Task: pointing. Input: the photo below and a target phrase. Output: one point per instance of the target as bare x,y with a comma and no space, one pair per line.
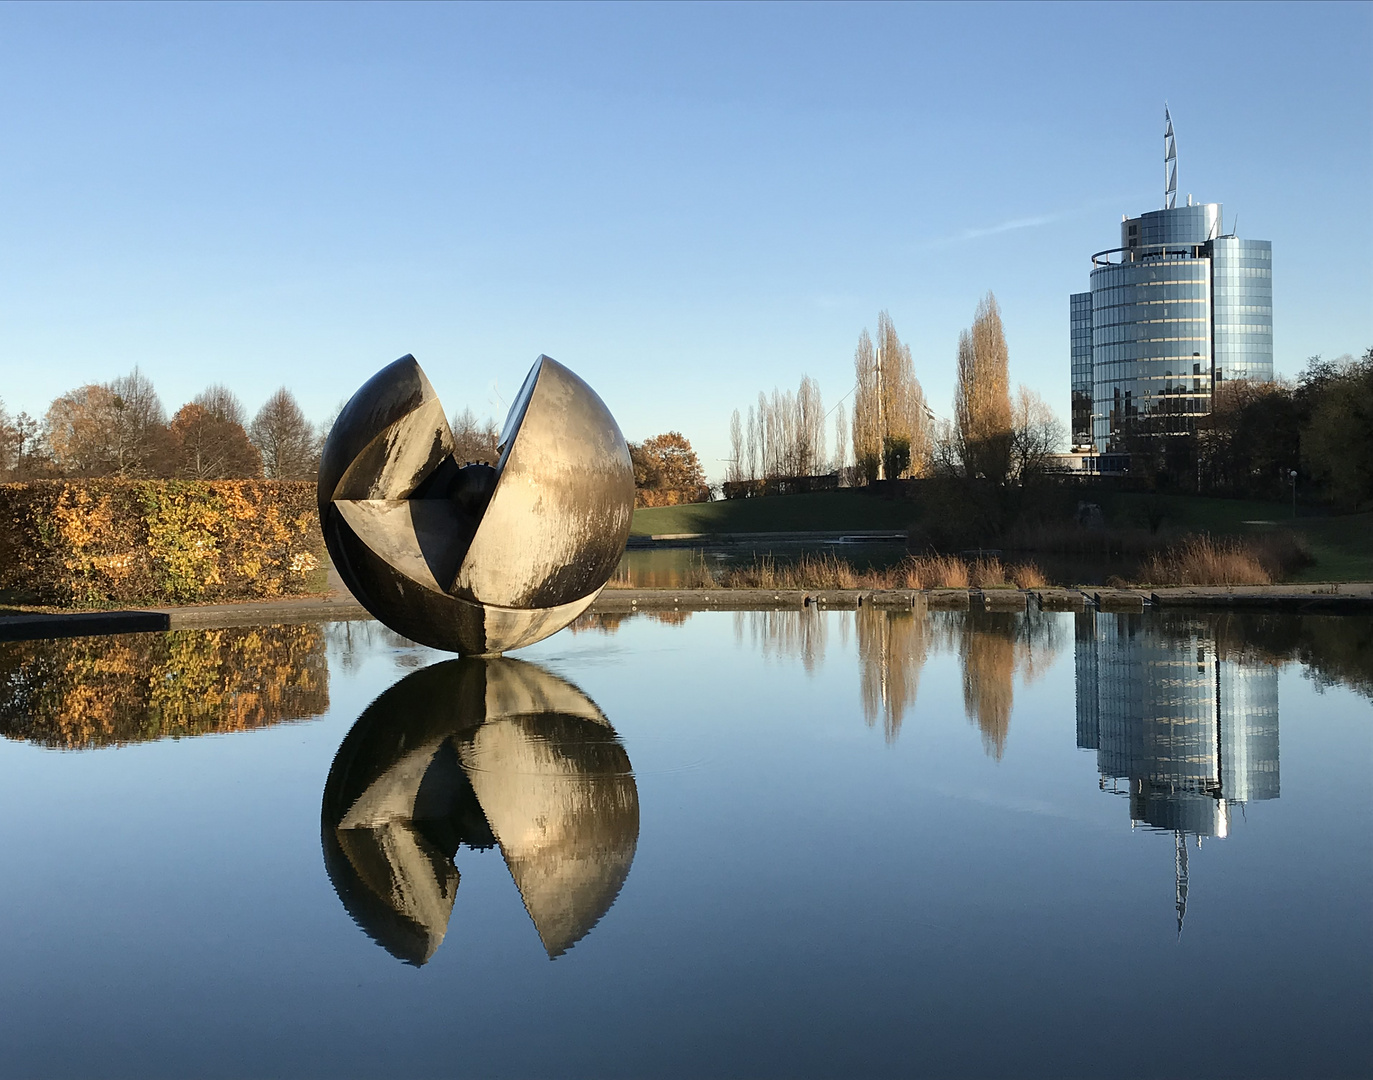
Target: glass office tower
1172,312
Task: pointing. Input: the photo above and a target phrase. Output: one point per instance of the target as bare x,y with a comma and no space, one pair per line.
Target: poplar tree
891,436
982,400
867,431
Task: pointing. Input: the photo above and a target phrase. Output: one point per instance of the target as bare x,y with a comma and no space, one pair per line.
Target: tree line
1258,435
892,433
121,429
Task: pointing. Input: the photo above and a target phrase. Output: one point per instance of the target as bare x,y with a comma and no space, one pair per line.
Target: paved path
340,605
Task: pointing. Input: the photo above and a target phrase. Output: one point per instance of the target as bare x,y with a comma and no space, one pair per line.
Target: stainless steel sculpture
471,558
479,753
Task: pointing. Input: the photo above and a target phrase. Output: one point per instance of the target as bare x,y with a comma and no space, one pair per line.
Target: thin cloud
1032,222
994,230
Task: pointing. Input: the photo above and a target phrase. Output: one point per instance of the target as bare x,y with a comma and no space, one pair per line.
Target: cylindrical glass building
1173,311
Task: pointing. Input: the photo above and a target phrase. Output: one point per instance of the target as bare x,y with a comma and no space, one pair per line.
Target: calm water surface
765,843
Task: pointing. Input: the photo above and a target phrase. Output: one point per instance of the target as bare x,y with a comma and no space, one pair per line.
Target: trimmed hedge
93,543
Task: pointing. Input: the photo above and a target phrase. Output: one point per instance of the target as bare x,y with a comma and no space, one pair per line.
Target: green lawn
1342,544
821,511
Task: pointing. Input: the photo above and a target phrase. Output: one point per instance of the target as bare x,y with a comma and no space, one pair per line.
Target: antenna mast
1170,161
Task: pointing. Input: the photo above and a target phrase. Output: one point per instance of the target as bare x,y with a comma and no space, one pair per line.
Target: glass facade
1173,311
1151,347
1242,302
1080,321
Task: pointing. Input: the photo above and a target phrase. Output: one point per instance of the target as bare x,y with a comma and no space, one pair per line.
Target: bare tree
222,403
810,428
735,471
890,430
9,443
841,441
474,441
211,447
905,438
753,468
32,459
867,411
982,401
114,429
1036,434
143,444
285,439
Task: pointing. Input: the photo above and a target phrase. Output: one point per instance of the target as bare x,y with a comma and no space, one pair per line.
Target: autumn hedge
93,543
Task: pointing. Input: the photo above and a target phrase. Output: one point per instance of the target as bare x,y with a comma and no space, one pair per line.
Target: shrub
1204,560
70,543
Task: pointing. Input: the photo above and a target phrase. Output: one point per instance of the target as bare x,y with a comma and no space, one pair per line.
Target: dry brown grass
828,571
1203,560
823,571
1027,576
928,572
1208,560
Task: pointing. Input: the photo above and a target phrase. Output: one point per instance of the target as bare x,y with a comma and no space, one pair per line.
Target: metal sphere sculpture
472,558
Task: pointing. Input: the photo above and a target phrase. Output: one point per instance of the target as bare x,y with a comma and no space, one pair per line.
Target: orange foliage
74,543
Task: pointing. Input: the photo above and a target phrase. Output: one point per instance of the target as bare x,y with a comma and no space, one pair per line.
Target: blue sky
685,204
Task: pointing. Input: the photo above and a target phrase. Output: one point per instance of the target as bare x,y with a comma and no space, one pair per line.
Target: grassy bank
822,511
1340,546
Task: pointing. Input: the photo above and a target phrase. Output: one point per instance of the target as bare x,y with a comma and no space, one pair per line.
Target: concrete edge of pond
1348,598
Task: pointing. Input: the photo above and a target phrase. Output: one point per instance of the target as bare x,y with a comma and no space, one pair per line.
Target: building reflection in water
479,753
1185,731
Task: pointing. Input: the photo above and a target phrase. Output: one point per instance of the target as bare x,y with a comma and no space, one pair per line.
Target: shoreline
1346,598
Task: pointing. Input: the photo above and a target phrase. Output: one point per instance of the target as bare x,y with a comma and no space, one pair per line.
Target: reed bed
829,571
1207,560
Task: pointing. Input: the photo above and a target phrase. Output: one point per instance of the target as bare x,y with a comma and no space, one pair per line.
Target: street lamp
1292,475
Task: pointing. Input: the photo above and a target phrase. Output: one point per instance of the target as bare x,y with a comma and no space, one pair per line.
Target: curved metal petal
473,560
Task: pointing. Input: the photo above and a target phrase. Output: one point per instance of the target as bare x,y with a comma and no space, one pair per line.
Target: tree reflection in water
993,648
892,650
785,633
86,692
479,753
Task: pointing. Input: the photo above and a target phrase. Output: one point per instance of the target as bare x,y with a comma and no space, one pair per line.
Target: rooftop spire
1170,161
1180,870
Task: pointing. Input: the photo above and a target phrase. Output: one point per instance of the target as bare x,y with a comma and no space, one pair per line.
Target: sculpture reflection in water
1183,728
479,753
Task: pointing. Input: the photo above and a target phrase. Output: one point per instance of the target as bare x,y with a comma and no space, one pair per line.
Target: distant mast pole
881,419
1170,161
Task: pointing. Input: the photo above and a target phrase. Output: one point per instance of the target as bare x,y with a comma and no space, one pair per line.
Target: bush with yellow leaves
96,543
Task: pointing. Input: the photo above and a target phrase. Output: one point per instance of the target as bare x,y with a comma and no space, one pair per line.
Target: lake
790,843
